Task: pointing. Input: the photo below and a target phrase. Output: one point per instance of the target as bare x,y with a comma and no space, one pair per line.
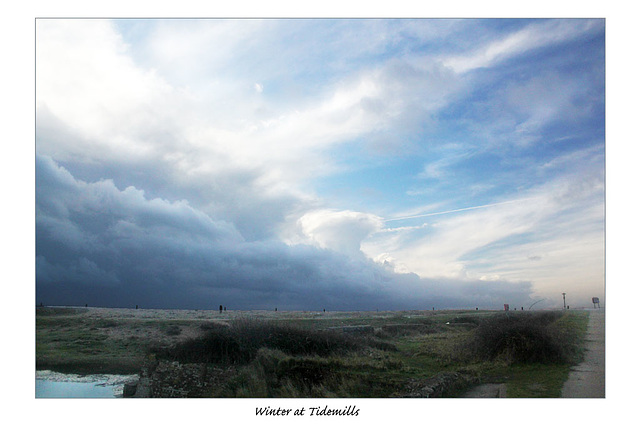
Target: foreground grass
305,356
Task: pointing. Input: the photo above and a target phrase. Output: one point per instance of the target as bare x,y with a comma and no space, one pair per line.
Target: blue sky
317,163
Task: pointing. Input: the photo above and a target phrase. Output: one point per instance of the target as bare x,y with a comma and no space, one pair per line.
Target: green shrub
240,342
520,338
218,346
275,374
210,326
290,339
173,330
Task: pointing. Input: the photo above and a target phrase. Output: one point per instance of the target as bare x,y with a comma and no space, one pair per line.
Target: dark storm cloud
162,163
102,245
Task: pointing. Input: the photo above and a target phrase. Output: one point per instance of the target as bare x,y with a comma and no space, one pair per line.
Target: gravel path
586,380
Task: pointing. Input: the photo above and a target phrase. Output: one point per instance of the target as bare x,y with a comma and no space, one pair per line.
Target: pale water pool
55,385
59,389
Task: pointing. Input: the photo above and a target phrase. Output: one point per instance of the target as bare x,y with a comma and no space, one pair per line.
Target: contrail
455,210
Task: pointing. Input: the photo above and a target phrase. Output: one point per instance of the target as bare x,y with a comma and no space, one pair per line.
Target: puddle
51,384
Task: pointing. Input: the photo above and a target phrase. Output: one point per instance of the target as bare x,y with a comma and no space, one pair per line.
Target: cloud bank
256,163
100,245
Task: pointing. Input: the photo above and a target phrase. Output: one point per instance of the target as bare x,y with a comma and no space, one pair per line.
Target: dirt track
587,380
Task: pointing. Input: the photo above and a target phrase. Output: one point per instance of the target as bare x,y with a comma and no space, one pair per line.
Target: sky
309,164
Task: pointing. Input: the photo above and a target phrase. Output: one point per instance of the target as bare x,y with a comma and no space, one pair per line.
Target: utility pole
564,301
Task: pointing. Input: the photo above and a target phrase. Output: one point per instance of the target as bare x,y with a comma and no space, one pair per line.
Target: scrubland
322,354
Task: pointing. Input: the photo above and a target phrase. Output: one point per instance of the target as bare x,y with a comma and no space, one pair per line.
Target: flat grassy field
323,354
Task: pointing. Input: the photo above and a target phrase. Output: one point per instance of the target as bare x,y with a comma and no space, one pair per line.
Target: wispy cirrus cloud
556,226
533,36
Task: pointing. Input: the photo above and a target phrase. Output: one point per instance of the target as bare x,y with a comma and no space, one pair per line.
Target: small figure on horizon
276,308
136,306
220,308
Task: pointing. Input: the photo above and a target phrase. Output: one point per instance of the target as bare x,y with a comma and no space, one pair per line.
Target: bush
276,374
304,370
172,330
240,342
290,339
217,346
520,338
210,326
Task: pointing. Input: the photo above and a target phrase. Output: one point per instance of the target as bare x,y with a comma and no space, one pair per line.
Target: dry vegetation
316,354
